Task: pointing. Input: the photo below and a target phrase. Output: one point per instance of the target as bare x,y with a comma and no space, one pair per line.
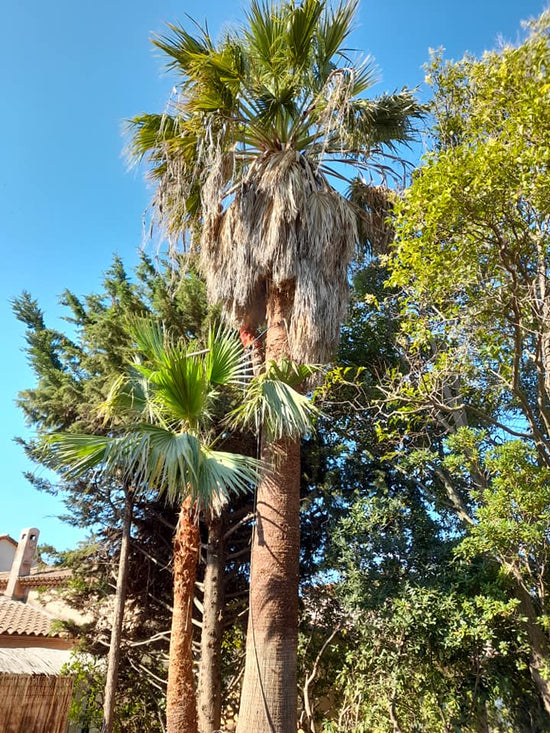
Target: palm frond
336,25
151,457
181,387
169,143
173,461
222,474
217,80
125,456
152,135
264,34
301,28
151,339
383,121
129,398
184,49
290,372
225,360
272,406
76,453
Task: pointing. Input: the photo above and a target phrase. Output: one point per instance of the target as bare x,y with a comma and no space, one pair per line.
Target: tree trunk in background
269,694
113,659
538,642
209,688
181,707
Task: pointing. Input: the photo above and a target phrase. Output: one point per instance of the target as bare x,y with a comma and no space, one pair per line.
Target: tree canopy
424,498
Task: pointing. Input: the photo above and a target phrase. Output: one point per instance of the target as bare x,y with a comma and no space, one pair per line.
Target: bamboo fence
34,703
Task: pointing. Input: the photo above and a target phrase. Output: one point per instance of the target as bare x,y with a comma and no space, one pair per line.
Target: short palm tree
244,159
165,405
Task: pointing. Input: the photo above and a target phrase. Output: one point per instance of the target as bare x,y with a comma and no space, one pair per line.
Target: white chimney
21,565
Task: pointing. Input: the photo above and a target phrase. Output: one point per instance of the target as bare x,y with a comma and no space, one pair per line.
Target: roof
9,539
33,661
20,619
45,578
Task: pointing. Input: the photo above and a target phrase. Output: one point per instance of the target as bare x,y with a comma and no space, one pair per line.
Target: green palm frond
129,398
165,384
156,136
126,456
222,474
169,143
151,457
176,374
184,49
271,404
151,340
290,372
271,106
173,461
182,389
384,121
335,26
77,454
264,35
301,29
226,361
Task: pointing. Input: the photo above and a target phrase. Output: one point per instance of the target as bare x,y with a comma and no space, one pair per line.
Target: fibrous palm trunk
113,660
209,687
269,694
181,707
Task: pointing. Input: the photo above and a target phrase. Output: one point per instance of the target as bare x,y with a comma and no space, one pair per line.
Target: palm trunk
181,708
113,659
269,694
209,688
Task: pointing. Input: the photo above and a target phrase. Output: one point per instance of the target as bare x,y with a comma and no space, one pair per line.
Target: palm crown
284,82
167,409
244,156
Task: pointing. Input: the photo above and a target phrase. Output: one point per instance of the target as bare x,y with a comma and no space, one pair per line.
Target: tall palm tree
243,159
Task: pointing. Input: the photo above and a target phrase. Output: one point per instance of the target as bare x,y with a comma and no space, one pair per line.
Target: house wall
7,553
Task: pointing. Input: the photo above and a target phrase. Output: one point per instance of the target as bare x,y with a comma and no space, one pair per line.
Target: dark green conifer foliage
73,376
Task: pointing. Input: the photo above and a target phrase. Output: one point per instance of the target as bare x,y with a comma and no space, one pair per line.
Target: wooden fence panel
34,703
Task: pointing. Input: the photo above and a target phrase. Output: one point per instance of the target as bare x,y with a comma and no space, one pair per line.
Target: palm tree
244,159
175,389
167,403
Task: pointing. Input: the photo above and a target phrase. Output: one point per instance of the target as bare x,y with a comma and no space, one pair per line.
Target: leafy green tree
428,637
472,258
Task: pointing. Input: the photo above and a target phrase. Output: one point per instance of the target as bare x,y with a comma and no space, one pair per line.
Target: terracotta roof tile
17,618
49,578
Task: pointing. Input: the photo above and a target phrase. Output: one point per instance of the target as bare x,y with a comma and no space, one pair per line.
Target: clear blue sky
70,73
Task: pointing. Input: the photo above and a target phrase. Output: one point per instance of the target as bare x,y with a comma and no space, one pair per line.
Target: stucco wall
7,553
